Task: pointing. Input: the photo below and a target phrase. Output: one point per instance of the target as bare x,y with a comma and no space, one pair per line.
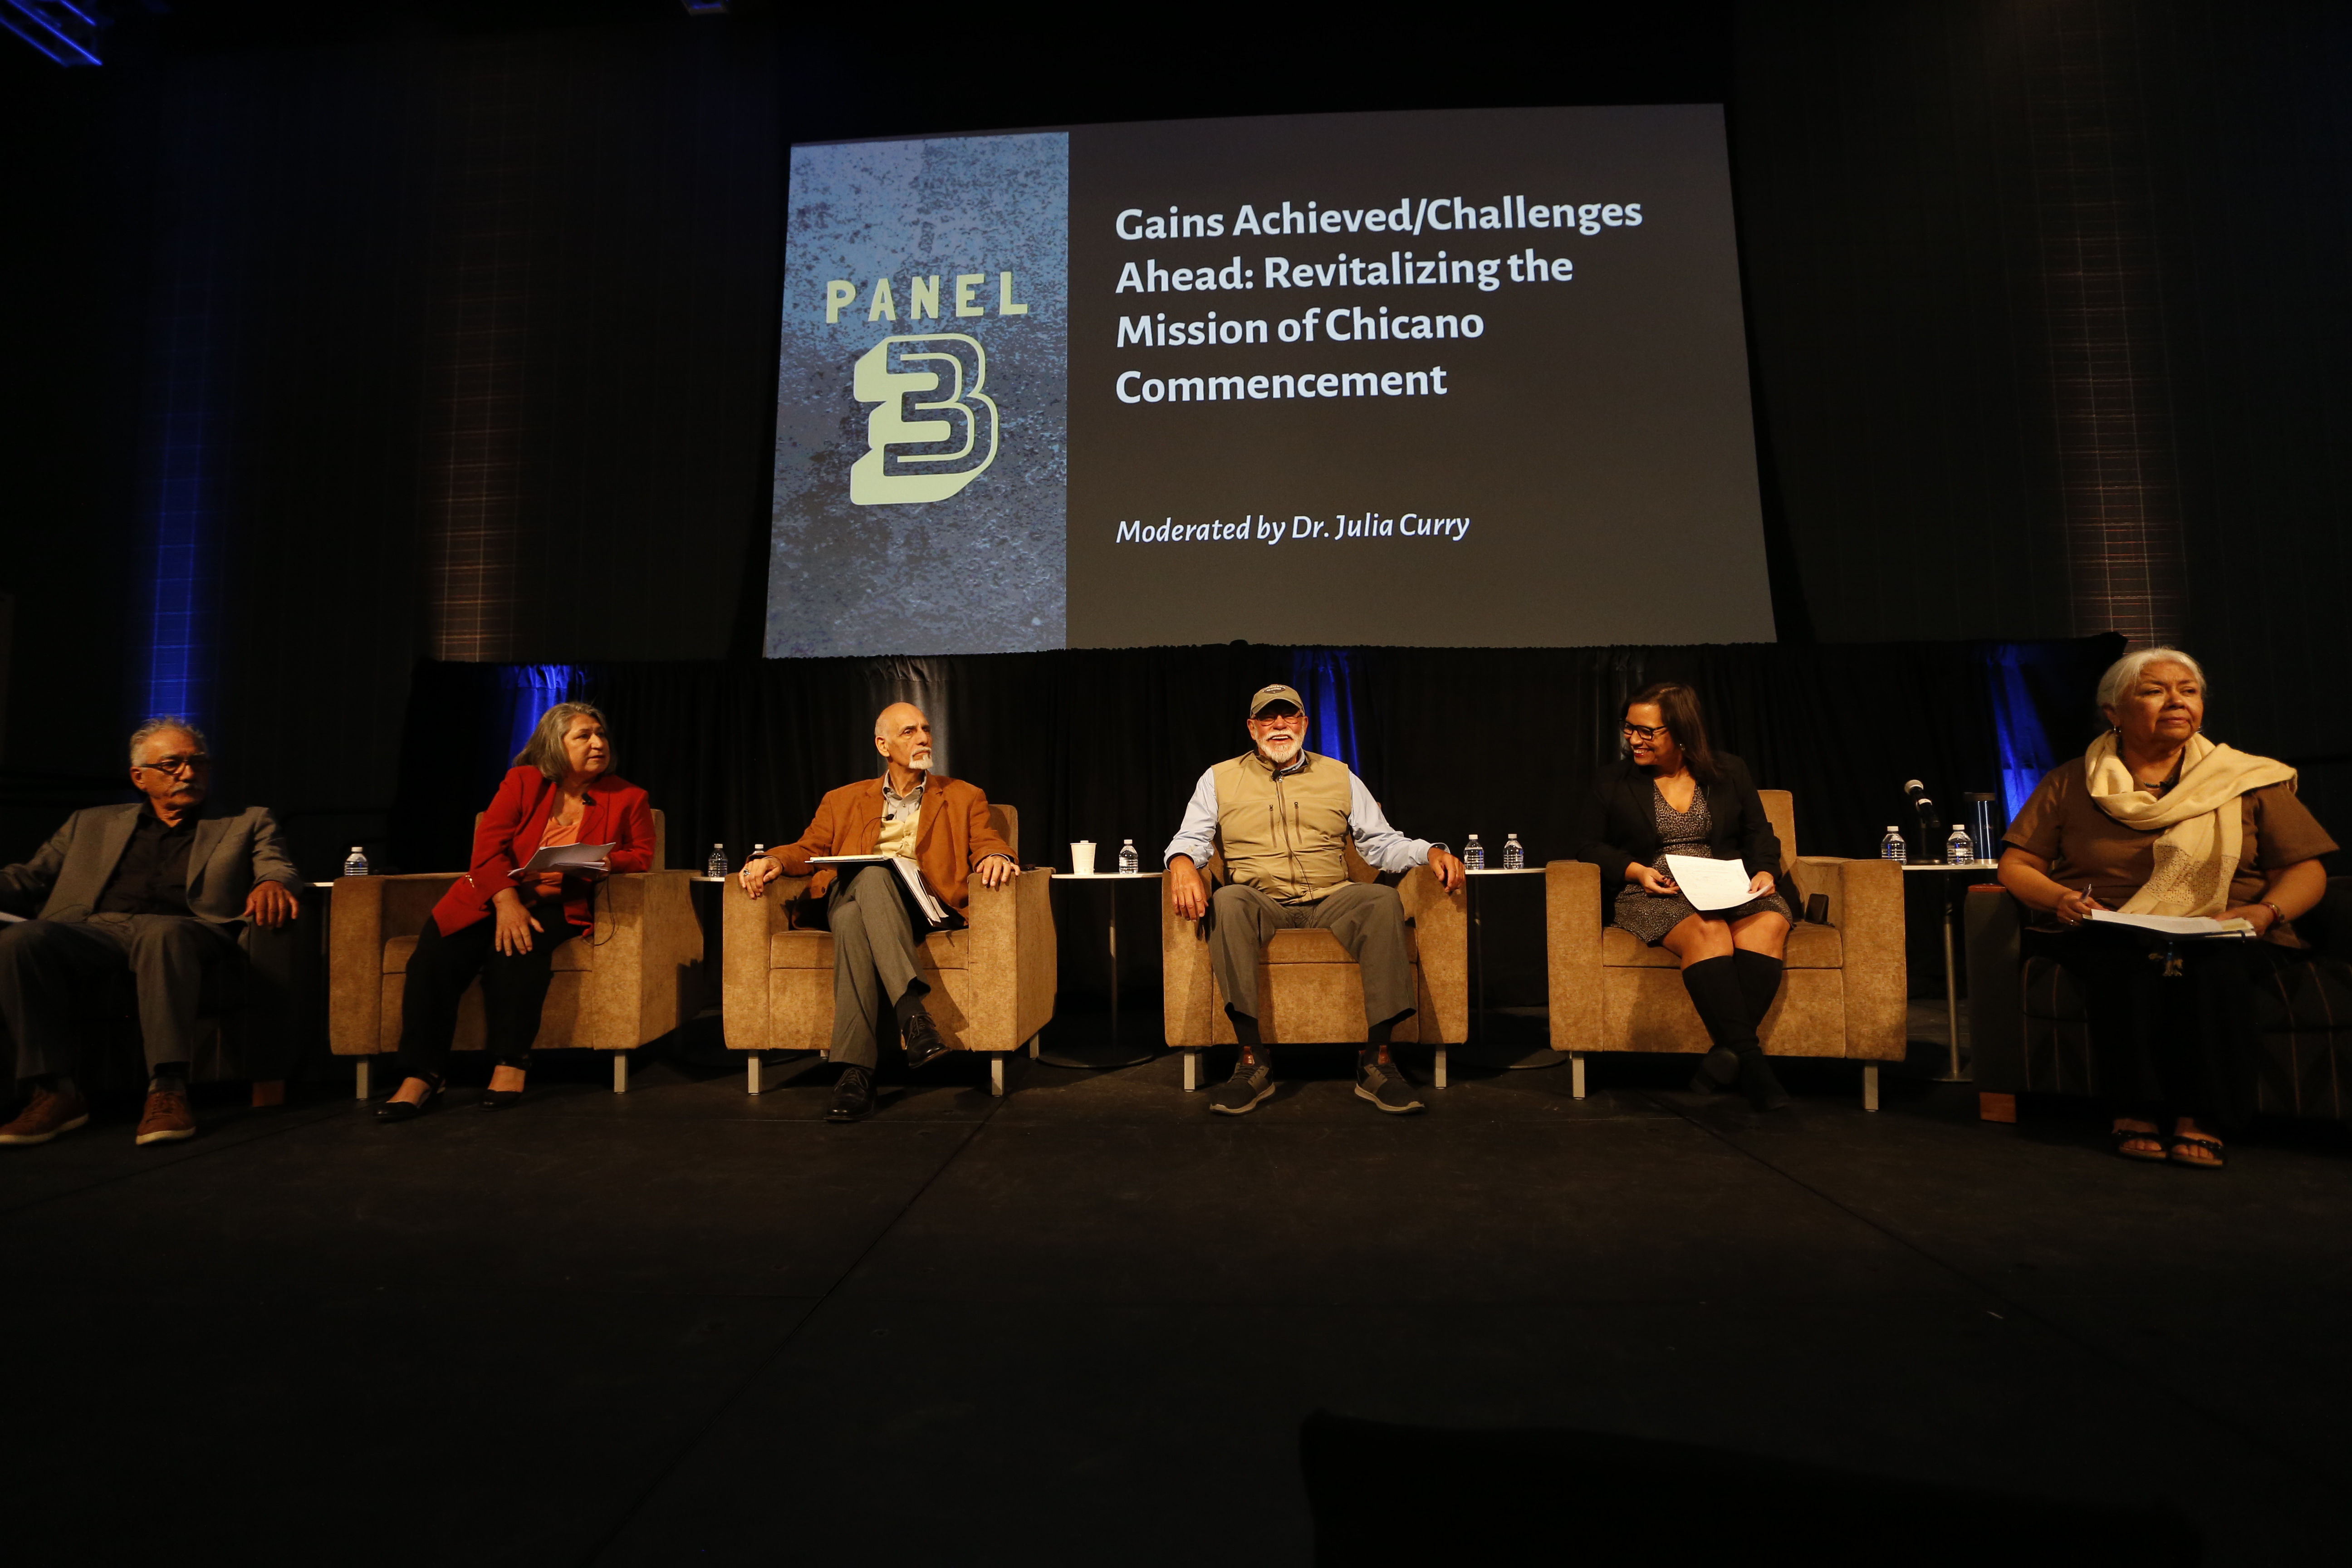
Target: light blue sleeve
1376,841
1196,839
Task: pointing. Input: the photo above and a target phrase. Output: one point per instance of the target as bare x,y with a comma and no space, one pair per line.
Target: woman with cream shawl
2156,819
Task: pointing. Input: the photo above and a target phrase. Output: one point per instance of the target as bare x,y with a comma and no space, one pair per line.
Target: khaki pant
873,962
1367,918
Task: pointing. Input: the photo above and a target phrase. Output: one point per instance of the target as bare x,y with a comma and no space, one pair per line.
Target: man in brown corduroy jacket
909,813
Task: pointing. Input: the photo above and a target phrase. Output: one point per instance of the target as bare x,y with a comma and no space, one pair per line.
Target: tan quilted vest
1285,836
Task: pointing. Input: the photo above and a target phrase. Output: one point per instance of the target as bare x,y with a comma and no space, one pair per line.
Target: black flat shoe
502,1099
401,1111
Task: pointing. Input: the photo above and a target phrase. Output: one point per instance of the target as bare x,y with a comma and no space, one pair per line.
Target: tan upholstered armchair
1843,993
1308,989
629,981
992,982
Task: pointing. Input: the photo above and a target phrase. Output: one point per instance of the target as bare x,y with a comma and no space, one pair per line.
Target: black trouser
48,968
2187,1044
514,988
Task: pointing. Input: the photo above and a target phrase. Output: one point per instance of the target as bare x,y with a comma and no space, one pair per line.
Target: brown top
2065,825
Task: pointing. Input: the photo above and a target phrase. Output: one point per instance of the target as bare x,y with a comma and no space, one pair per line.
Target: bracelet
2278,915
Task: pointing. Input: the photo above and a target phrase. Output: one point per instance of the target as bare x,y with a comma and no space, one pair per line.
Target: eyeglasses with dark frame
1642,732
176,765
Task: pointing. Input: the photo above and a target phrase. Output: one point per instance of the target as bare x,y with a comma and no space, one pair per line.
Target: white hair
158,725
2125,673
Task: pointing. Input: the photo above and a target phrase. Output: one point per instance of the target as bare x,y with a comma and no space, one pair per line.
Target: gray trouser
873,962
48,967
1367,918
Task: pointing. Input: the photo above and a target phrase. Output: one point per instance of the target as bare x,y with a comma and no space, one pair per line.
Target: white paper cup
1082,857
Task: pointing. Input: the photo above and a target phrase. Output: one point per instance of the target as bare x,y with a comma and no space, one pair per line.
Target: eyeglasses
1642,732
187,764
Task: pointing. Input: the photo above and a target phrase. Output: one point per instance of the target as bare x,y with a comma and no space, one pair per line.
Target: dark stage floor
1083,1324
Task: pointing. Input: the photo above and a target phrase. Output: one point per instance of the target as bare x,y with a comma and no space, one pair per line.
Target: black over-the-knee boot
1715,990
1759,982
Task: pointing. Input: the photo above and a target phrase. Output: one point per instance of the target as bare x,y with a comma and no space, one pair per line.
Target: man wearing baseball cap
1282,815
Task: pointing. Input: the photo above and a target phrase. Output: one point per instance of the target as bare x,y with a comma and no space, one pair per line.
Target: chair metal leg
1870,1086
1192,1072
1441,1066
1576,1074
1034,1044
620,1072
362,1077
996,1073
751,1079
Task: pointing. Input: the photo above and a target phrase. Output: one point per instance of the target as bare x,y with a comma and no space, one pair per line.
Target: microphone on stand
1929,822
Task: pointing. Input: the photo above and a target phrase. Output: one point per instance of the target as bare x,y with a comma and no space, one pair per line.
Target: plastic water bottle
355,863
1514,854
716,867
1473,854
1892,847
1960,849
1130,862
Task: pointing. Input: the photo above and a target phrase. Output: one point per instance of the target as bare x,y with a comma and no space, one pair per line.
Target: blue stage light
60,30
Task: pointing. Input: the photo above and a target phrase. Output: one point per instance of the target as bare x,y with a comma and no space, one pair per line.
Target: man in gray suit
161,889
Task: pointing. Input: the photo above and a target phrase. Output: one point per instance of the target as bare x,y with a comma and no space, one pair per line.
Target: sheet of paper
8,919
848,860
563,858
2176,925
1710,884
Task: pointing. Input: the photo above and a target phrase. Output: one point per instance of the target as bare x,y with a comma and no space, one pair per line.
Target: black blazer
1617,825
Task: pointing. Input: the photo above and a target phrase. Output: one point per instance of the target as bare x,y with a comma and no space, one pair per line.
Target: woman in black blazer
1671,793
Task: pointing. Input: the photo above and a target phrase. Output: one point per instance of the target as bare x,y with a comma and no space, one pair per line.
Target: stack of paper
2175,925
909,873
1710,884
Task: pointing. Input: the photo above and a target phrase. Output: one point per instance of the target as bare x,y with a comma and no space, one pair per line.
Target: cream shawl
2199,824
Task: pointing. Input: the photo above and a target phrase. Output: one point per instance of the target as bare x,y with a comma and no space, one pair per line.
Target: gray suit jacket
233,851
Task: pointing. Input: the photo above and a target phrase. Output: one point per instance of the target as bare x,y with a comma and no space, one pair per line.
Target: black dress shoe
853,1096
401,1111
924,1046
502,1099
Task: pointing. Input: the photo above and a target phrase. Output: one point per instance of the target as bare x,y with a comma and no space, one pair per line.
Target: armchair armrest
1996,930
2329,927
748,926
1012,953
1866,910
645,940
1185,997
367,912
1573,952
1441,932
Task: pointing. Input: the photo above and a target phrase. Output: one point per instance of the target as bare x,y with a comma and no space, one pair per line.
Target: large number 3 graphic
933,431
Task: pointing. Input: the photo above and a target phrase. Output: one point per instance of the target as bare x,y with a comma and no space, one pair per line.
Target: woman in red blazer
561,791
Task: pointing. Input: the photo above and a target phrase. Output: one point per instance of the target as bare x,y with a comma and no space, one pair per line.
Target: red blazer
616,812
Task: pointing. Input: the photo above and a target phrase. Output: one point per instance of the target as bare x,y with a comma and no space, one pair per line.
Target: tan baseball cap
1267,696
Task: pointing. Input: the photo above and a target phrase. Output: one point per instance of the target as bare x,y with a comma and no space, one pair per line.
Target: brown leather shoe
49,1115
168,1119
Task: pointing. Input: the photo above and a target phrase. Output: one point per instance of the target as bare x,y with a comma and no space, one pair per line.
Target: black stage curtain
1107,743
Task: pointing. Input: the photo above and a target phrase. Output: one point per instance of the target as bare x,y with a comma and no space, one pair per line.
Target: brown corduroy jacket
951,836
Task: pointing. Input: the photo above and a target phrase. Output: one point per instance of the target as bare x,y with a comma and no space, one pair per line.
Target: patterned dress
1651,916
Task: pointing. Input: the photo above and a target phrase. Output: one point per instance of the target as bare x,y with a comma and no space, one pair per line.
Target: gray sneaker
1239,1094
1386,1088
